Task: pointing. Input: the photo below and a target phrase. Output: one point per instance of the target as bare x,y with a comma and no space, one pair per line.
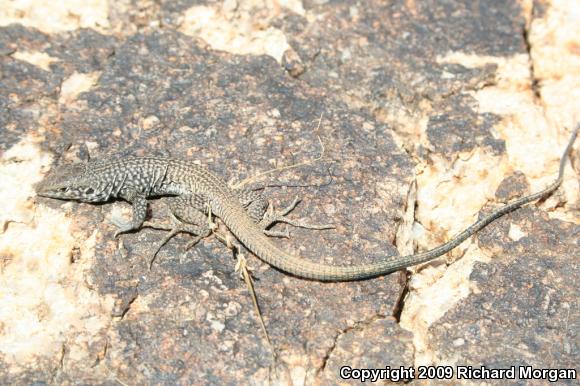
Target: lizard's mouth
46,189
60,194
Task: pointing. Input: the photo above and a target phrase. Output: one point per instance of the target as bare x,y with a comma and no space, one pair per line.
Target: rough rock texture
542,310
430,114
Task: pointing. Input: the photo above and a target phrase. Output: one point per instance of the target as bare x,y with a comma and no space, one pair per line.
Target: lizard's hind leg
185,218
264,214
272,217
253,202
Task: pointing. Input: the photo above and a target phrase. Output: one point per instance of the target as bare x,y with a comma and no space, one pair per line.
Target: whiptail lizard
138,178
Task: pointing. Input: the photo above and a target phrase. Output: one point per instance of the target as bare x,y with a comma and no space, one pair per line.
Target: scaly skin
136,179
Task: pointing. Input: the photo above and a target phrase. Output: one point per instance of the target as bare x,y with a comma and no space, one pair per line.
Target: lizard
196,192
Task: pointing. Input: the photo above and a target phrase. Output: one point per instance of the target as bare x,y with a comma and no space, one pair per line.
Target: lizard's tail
255,240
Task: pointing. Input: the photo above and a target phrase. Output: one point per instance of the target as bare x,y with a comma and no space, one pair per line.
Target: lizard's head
71,182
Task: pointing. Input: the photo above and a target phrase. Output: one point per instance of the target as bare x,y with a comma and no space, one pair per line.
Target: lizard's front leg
139,203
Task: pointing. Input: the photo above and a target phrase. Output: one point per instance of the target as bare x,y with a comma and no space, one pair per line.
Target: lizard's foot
177,227
195,240
123,226
200,232
168,237
190,245
139,202
271,217
282,234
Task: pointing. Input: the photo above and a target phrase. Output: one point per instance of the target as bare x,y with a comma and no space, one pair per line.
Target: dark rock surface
524,311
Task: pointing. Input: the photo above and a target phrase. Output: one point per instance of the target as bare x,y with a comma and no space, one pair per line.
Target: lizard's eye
63,189
89,191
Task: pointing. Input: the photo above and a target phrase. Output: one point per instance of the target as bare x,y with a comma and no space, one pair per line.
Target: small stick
282,168
242,267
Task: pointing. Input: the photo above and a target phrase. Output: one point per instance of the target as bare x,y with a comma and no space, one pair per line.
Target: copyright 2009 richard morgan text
402,373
